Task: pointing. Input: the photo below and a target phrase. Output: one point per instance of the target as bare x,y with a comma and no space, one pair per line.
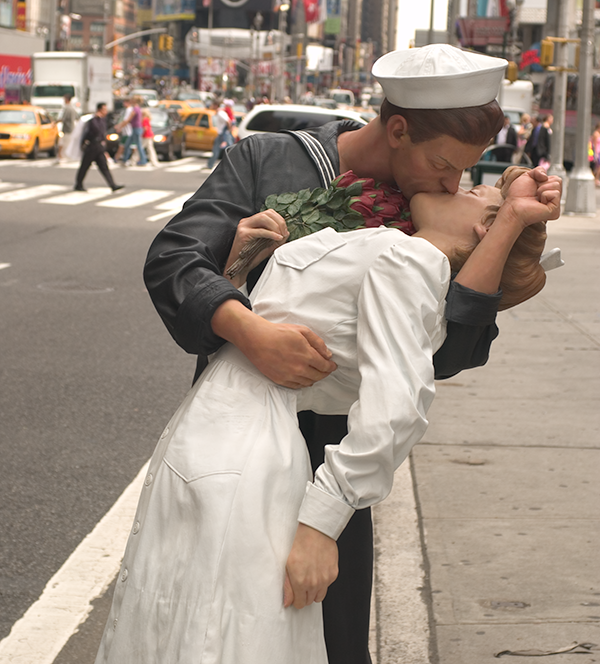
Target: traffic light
546,52
162,43
169,42
512,72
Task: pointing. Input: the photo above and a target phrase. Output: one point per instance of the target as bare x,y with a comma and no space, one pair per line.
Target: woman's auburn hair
473,125
522,276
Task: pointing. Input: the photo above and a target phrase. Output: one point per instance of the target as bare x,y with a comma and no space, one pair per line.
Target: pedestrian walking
148,138
595,149
94,145
135,122
222,124
522,136
506,136
68,117
538,145
124,130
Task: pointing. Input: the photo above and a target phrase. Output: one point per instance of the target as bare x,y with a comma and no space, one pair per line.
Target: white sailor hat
439,76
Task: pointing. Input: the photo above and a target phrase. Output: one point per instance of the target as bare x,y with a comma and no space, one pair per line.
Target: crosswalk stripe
174,203
35,164
31,192
3,266
79,197
184,168
136,198
11,185
170,207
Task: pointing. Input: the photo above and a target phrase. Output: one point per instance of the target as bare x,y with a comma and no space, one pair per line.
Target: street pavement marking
170,207
79,197
136,198
184,168
3,266
36,164
31,192
71,165
11,185
65,603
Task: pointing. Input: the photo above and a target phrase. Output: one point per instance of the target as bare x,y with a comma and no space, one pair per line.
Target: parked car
169,136
26,129
200,132
274,117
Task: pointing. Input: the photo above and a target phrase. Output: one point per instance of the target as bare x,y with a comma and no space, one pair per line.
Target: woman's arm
532,197
400,324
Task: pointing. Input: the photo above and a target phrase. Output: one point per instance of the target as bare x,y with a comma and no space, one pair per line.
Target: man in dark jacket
93,142
538,144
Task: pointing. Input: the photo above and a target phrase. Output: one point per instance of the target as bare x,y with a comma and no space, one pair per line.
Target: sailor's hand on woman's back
290,355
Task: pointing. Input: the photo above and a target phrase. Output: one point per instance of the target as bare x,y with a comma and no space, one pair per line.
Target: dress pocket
216,434
306,251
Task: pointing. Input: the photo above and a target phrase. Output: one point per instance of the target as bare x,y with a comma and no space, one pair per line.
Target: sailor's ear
397,128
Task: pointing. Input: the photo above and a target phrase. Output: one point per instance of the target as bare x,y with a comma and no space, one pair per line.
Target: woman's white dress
203,572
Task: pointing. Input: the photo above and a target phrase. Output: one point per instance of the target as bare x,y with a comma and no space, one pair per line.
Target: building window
76,26
97,27
76,41
96,43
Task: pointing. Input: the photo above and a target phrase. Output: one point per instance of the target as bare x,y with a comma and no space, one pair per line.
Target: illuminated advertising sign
14,70
174,10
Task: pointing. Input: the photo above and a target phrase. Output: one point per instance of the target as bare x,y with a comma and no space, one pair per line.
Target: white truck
87,78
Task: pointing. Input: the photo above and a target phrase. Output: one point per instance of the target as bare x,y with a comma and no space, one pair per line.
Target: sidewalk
507,484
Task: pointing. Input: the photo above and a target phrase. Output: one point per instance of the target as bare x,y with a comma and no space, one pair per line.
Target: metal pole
431,21
52,26
557,147
581,194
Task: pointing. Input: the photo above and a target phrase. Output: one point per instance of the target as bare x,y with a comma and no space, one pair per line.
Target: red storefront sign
14,70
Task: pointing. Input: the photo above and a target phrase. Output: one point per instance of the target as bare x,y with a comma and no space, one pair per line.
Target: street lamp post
557,143
581,194
283,9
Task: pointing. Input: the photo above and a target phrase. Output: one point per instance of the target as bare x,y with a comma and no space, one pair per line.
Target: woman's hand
312,567
535,196
269,225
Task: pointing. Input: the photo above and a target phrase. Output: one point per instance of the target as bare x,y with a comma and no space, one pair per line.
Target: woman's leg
138,142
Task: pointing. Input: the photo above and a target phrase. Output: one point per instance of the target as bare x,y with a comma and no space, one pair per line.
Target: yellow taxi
26,129
200,132
175,104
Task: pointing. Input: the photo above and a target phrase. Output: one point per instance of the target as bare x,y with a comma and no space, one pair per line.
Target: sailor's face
432,166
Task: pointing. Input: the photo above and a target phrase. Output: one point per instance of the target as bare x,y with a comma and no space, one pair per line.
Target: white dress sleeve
400,326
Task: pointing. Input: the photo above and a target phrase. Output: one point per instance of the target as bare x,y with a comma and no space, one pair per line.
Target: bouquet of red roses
347,204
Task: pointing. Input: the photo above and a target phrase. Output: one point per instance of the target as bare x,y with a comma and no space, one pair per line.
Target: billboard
14,70
174,10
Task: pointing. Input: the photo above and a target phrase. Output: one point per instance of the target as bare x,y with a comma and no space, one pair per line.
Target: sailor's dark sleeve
184,267
470,331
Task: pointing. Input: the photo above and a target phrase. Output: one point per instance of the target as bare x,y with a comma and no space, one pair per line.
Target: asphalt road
88,374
